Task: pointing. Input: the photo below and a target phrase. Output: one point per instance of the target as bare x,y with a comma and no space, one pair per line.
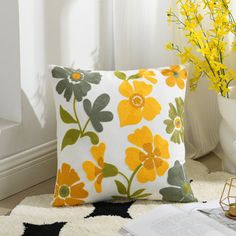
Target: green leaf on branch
93,137
66,116
120,187
120,75
70,138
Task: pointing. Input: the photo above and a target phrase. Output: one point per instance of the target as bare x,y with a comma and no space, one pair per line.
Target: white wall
10,108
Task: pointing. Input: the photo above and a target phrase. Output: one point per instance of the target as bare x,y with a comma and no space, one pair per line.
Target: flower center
137,100
150,153
176,74
177,123
64,191
76,76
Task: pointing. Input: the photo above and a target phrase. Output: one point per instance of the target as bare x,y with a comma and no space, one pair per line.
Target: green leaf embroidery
138,192
120,75
70,138
144,195
109,170
93,137
105,116
120,187
101,102
95,112
136,76
66,116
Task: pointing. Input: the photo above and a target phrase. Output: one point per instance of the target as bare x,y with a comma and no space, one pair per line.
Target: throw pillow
120,135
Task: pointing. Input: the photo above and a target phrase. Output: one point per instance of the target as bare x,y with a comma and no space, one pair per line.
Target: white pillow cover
120,135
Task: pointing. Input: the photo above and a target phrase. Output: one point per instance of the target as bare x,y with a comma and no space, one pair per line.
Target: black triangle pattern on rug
111,209
43,230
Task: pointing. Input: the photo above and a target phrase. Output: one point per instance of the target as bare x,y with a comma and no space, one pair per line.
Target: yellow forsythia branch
207,44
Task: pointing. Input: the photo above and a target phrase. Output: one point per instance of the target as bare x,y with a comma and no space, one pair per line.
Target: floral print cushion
120,135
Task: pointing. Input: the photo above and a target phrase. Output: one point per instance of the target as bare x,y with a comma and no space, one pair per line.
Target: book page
213,210
168,220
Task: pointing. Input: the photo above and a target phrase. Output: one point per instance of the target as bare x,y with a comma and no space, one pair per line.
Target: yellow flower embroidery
68,191
95,172
137,105
175,75
103,170
148,75
150,156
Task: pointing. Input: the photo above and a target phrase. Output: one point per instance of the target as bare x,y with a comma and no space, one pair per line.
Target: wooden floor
6,205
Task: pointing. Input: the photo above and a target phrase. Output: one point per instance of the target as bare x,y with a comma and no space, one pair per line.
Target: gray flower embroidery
74,81
180,191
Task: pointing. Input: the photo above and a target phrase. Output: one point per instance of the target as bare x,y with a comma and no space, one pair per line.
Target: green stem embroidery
93,136
124,192
85,126
82,130
123,175
131,179
76,116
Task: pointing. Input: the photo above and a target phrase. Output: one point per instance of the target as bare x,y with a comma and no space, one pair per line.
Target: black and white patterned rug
34,216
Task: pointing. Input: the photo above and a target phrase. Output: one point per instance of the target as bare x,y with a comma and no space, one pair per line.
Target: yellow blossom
207,44
170,46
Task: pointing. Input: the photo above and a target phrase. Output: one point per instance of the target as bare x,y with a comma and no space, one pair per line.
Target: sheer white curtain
131,34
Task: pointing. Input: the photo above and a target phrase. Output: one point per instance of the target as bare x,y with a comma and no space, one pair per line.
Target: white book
168,220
